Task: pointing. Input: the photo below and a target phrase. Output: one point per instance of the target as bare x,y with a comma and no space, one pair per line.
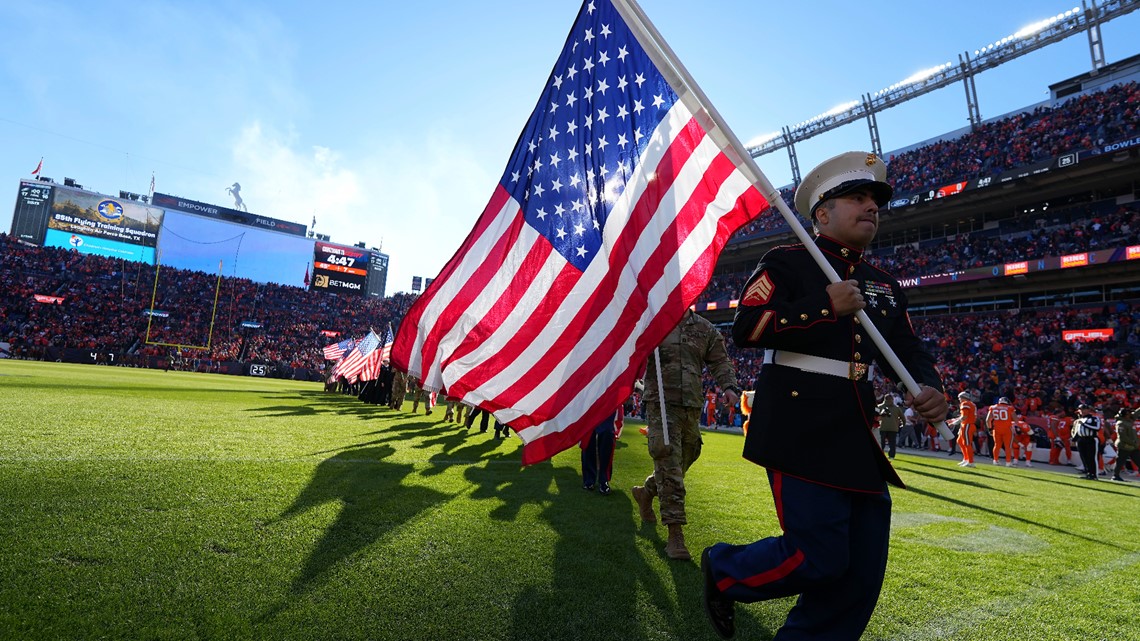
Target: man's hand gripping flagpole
668,63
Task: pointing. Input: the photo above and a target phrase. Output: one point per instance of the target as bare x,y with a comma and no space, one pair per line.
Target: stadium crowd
100,304
1081,228
1080,123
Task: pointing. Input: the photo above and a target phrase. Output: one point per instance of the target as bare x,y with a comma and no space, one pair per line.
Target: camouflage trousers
454,410
671,462
421,395
399,390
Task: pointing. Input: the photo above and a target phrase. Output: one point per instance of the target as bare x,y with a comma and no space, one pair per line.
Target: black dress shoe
604,489
720,609
588,488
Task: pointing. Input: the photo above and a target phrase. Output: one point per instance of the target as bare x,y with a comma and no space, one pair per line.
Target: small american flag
375,360
604,228
352,364
336,350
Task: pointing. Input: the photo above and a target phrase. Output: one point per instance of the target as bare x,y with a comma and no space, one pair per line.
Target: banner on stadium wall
1017,268
330,333
48,300
1082,335
157,313
231,215
251,324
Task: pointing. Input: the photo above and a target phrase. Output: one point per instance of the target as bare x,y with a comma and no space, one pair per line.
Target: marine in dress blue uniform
813,415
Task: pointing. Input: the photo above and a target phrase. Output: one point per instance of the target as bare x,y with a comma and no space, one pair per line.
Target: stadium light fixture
837,109
1034,28
761,139
919,76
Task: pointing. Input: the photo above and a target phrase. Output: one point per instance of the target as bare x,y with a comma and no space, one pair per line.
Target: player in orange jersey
1022,440
1060,428
967,419
999,419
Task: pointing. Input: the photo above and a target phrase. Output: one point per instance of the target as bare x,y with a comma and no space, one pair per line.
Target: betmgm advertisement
97,224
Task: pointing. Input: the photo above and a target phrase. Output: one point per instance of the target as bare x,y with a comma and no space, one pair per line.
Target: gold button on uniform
803,316
845,252
858,338
825,312
795,393
857,322
783,321
884,312
858,356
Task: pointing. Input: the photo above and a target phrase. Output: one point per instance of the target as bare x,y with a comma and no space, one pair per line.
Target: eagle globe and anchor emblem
110,211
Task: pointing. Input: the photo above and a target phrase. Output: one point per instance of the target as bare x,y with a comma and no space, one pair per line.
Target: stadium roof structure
1026,40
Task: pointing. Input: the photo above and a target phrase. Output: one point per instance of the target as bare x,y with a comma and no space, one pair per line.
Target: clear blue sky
392,122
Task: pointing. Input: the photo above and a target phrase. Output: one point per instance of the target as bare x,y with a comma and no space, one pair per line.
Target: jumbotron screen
93,223
199,243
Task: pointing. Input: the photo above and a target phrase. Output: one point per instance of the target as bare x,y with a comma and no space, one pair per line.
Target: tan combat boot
644,504
675,548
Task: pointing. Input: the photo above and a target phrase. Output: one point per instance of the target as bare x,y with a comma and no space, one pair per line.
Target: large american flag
336,350
352,364
604,228
371,369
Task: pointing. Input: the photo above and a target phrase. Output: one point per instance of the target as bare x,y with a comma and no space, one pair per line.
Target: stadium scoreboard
341,269
33,202
349,270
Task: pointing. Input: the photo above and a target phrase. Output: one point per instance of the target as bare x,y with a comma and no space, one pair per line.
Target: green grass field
141,504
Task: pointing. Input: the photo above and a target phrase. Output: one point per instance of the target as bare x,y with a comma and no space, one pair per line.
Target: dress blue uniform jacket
813,426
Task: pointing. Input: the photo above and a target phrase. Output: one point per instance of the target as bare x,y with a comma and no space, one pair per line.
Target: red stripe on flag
406,338
470,291
564,283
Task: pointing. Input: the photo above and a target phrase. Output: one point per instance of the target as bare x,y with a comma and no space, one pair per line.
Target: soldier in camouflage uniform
399,389
692,344
454,410
1127,447
420,395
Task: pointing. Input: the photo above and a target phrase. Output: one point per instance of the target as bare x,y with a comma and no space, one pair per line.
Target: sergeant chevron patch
759,292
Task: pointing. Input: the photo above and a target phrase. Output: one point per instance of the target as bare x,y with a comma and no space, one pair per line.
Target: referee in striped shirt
1085,431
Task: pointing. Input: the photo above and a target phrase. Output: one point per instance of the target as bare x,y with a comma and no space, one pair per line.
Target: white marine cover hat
841,175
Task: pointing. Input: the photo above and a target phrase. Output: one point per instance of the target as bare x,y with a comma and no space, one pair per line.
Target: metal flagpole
677,76
661,393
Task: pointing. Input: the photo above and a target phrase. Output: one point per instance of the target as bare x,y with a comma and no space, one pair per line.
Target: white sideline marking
980,538
962,620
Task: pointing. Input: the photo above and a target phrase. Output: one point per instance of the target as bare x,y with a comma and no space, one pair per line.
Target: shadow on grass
374,502
603,586
968,483
1006,515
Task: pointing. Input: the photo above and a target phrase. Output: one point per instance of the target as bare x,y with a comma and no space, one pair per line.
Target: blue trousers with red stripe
598,457
833,554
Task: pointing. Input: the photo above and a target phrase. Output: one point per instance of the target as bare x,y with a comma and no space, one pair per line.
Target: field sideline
139,504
